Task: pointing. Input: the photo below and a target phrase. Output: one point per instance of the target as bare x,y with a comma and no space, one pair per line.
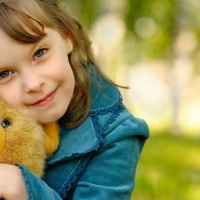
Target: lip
45,100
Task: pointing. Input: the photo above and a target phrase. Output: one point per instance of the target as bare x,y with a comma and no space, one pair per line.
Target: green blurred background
153,47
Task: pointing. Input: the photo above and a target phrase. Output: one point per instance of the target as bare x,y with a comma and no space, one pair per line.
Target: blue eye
5,73
39,53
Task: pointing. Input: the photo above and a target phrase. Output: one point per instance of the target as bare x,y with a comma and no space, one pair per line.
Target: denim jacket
96,160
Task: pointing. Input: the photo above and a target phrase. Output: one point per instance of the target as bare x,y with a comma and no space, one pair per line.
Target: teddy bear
24,141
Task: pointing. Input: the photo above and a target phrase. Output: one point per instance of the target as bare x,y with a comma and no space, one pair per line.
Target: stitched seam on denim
116,112
105,110
110,106
74,175
67,182
115,109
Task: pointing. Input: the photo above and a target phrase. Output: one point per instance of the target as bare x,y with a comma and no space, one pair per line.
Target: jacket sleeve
111,172
36,187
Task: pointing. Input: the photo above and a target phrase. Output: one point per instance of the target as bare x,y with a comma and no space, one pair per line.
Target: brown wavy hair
25,20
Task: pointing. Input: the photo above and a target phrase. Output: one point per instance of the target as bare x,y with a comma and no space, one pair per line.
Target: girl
48,72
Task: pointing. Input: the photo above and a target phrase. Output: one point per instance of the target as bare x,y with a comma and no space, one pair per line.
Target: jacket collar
104,95
84,138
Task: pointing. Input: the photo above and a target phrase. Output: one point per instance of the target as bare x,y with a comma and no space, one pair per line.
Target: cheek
68,80
7,91
57,64
12,98
11,93
62,70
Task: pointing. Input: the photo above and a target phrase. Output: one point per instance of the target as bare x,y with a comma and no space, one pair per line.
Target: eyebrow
33,45
29,50
39,40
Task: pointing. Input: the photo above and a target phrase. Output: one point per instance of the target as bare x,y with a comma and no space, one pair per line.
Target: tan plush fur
22,141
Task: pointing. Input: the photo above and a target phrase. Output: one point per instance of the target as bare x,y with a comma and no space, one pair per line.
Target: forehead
9,49
6,43
4,38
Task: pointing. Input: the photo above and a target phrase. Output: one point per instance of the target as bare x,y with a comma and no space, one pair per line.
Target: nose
32,82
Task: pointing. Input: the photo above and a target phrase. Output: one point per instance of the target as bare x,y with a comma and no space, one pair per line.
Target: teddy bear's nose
5,123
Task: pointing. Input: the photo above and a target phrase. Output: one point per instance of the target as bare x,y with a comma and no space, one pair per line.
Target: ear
68,44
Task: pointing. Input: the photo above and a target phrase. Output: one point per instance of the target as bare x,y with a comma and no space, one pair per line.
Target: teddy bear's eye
5,123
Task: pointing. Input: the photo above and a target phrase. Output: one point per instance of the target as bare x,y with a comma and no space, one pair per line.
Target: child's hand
12,185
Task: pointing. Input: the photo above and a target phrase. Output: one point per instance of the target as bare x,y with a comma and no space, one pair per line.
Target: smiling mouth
46,100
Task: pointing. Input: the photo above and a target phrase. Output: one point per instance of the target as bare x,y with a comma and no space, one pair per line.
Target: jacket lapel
76,142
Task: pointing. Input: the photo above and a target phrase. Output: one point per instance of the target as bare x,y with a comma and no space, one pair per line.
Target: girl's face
37,79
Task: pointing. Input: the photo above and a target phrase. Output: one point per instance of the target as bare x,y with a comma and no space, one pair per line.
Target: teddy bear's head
21,140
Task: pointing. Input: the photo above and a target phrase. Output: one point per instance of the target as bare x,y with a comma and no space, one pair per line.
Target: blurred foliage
168,169
86,11
168,17
163,13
